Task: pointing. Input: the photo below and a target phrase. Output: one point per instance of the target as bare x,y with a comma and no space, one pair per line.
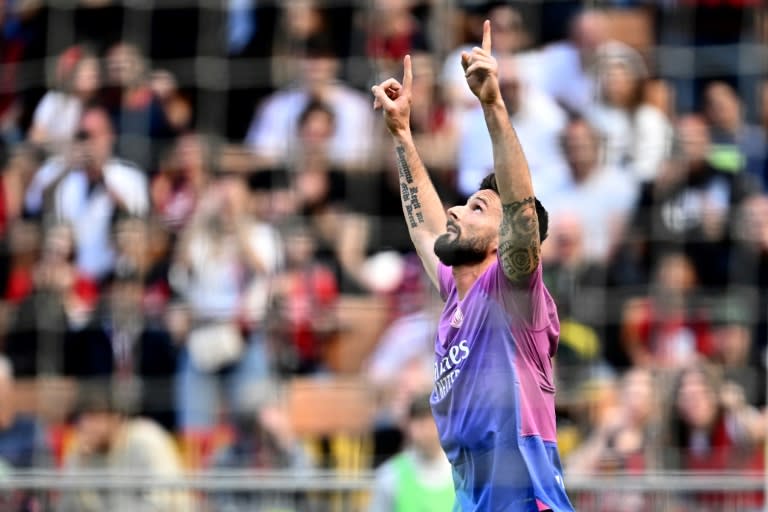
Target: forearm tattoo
408,191
519,239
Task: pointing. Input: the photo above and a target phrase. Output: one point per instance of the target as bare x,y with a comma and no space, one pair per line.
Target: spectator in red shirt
711,428
304,299
667,328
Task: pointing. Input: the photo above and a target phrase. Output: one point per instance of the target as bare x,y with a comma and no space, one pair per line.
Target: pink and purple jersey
494,398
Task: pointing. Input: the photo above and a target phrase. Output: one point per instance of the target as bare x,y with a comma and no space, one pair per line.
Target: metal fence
337,492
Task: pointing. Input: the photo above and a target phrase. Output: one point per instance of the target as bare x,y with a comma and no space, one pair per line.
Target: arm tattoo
519,239
408,191
402,165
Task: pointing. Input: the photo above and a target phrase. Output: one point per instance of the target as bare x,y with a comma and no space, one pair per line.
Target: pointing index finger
407,73
487,36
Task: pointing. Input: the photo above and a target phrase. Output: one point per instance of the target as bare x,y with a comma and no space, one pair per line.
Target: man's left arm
519,244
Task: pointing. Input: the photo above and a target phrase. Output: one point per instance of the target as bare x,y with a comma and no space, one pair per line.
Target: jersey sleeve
445,280
528,302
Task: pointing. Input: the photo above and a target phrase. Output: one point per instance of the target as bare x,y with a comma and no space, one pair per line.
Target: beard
453,251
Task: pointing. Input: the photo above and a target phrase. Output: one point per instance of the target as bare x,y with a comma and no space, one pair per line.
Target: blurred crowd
195,202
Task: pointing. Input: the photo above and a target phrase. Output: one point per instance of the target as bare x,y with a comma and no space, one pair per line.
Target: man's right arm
422,208
423,211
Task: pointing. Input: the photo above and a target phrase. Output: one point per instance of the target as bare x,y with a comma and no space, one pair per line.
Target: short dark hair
316,106
489,183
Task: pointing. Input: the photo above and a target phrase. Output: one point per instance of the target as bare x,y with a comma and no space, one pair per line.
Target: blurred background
208,296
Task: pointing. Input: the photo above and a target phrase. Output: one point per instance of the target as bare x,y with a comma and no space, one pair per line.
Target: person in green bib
419,478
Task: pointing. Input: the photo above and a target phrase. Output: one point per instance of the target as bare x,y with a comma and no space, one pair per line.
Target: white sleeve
268,244
45,110
43,178
131,185
652,135
268,134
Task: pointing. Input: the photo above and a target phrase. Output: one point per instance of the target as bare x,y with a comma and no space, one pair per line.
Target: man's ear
495,245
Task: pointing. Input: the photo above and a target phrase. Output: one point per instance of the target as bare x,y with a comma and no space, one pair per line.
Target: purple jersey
494,398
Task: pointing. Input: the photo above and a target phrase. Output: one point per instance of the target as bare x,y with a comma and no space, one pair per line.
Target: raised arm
519,244
424,213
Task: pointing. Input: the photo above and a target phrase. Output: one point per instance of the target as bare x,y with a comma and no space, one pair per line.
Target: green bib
412,496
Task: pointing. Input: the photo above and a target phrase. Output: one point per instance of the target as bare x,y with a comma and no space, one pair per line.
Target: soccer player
493,398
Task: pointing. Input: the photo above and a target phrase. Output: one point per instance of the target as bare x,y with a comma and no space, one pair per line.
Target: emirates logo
458,318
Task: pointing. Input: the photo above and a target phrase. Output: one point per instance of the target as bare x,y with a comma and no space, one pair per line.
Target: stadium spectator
141,123
626,441
304,297
61,302
272,135
135,351
689,205
637,135
180,180
175,103
77,79
319,185
420,477
144,249
711,32
668,328
23,239
88,189
434,127
222,251
510,37
579,288
568,70
23,443
734,350
736,144
609,192
748,265
711,428
538,122
12,46
298,23
393,31
263,440
107,441
17,171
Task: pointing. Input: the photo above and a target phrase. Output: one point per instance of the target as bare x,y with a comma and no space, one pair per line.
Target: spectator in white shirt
78,78
272,134
538,122
600,197
568,70
88,189
637,134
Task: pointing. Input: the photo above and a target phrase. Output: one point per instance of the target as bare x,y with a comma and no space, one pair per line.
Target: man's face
94,139
581,149
722,106
125,66
472,231
508,31
693,137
